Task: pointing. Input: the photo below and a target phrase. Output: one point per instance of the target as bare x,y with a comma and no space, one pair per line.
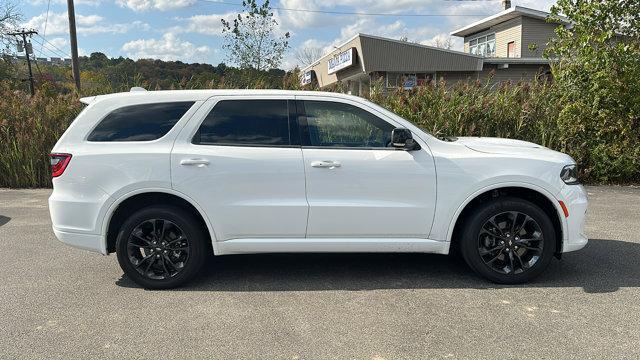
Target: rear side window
142,122
246,122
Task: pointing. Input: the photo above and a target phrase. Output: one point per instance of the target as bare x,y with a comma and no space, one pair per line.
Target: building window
483,46
392,80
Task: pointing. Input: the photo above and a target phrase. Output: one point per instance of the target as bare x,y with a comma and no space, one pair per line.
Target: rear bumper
575,198
91,242
74,214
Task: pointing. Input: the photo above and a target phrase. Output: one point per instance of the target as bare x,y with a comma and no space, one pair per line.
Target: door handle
199,162
326,164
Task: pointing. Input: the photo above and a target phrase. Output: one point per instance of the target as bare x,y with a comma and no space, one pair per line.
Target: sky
191,30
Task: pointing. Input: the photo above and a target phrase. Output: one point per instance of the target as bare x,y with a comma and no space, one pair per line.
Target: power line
46,20
332,12
43,47
54,46
64,53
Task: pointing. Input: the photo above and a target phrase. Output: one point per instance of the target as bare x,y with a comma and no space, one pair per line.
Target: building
505,46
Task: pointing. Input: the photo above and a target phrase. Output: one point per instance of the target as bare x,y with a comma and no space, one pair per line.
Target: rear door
241,160
358,185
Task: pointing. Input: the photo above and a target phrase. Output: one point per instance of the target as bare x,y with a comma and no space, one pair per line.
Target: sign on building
306,77
409,82
341,61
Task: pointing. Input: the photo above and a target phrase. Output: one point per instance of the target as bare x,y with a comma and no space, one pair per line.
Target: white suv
164,178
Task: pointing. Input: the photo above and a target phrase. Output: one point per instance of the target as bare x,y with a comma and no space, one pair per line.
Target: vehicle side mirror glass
402,138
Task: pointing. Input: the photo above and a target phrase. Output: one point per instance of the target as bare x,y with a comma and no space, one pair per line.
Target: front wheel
161,247
508,240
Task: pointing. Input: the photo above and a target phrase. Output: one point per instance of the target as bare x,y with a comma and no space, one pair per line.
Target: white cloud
60,2
162,5
395,30
169,47
60,43
211,24
301,19
58,24
204,24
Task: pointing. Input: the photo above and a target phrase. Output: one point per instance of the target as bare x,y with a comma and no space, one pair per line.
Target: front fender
551,197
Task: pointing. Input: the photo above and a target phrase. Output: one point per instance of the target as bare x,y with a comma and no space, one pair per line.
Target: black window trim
306,136
298,129
294,134
193,108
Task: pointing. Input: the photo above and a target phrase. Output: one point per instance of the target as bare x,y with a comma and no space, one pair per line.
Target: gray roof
501,17
382,54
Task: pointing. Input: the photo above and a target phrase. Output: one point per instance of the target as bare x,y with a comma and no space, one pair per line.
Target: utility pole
27,48
73,40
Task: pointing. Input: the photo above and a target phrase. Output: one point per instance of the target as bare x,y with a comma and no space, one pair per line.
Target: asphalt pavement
57,302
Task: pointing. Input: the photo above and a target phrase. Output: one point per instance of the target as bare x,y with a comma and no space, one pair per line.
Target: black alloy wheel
158,249
508,240
161,247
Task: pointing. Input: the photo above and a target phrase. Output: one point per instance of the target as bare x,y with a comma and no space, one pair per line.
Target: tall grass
526,111
29,127
532,111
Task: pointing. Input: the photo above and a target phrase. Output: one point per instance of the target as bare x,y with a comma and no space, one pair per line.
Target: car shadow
602,266
4,220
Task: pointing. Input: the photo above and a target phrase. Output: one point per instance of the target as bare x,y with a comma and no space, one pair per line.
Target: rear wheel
508,240
161,247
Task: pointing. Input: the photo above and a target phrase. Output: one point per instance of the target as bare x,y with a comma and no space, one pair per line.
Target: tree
596,66
9,18
251,40
307,55
441,43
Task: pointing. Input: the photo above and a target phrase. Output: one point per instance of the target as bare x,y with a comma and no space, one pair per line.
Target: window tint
139,122
246,122
344,125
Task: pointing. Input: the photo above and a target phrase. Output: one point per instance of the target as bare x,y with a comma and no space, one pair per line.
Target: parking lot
60,302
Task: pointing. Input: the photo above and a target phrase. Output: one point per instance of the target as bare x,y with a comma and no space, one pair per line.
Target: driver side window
332,124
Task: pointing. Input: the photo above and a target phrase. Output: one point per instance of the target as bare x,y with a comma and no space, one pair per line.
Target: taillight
59,163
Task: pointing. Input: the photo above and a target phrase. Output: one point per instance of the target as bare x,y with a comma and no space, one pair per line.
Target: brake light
59,163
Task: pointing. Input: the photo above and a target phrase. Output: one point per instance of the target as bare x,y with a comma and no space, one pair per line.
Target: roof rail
137,88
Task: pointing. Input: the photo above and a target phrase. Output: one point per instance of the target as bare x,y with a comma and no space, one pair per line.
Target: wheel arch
136,200
539,196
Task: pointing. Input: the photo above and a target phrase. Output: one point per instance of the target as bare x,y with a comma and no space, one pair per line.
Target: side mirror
402,138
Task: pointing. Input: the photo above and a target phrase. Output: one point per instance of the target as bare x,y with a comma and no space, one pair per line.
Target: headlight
569,174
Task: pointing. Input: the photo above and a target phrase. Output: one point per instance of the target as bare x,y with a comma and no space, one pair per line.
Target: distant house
506,46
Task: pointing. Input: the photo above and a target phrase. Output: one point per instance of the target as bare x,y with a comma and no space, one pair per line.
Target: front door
242,162
358,185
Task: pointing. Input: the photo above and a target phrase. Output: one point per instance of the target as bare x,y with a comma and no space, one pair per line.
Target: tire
161,247
491,247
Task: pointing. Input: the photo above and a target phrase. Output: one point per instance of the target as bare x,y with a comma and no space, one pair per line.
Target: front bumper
575,199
